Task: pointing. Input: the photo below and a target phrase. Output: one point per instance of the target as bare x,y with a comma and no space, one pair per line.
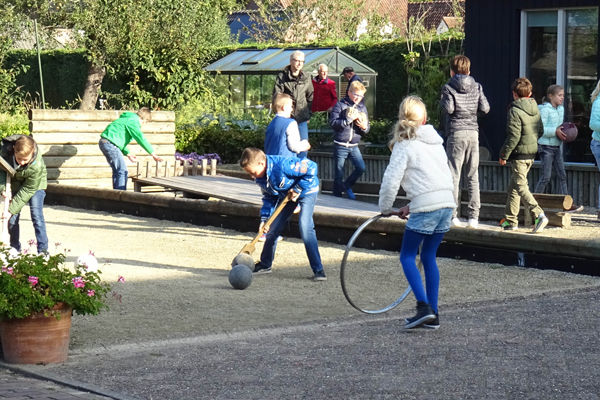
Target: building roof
272,60
435,11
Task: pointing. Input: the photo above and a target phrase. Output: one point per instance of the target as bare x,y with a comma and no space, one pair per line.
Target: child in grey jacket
462,100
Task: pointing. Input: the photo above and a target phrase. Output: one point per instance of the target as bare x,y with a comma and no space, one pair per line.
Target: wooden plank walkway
245,191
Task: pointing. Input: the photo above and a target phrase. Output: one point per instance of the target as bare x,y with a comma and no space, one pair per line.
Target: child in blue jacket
276,176
350,121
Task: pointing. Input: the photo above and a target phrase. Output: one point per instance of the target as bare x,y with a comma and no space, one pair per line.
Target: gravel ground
176,296
177,279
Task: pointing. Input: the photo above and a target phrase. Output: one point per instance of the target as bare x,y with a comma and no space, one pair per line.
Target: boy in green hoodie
28,186
115,138
520,147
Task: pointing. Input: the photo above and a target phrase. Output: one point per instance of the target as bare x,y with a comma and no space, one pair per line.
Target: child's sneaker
457,222
434,324
507,226
320,276
424,314
350,193
261,269
540,223
574,208
473,223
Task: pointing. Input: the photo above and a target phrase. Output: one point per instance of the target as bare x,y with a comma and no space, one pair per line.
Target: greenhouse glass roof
273,60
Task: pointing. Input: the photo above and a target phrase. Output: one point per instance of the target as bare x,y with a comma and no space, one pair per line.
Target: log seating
492,204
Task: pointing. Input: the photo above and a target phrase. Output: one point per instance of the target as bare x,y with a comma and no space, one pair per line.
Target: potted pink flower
42,290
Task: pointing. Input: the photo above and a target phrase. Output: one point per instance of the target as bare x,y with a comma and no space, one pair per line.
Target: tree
305,21
9,29
156,47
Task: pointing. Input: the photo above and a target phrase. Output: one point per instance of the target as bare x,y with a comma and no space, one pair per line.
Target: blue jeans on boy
307,232
117,163
595,147
36,205
551,156
340,153
303,129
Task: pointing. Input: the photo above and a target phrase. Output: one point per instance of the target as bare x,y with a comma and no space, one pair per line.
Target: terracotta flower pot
37,339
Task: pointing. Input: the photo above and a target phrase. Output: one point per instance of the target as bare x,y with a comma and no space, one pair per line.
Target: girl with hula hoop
419,164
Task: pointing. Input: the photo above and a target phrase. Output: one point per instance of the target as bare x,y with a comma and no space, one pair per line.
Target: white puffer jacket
420,166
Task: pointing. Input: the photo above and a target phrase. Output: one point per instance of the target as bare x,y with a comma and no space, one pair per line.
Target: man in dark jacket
524,126
462,100
293,81
350,76
349,120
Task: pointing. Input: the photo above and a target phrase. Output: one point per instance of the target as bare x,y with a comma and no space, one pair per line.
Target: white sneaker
457,222
473,223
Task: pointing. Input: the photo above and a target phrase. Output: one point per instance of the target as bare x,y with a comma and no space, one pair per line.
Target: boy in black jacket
462,99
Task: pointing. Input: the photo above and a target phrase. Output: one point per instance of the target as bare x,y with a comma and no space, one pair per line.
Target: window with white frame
560,46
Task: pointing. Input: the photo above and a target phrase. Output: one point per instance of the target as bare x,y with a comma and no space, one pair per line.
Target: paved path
17,386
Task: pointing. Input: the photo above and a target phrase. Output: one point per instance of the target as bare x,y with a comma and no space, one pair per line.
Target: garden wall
68,140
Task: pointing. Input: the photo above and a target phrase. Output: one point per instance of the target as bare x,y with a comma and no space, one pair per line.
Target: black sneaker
540,223
261,269
424,314
435,324
320,276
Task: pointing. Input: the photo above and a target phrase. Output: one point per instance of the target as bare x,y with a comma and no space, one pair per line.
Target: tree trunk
92,87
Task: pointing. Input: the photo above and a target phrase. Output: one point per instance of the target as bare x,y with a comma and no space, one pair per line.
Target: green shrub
227,141
13,124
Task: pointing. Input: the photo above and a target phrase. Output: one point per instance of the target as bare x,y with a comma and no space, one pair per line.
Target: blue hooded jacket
283,174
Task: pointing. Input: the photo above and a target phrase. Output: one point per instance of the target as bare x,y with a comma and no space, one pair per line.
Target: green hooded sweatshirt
28,178
524,126
123,129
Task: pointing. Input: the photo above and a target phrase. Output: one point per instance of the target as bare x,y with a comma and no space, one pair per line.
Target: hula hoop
343,269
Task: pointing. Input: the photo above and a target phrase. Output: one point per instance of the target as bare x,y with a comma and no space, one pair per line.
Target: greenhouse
249,74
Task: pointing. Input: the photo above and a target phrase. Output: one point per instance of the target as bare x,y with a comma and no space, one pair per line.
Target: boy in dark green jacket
115,138
28,186
520,147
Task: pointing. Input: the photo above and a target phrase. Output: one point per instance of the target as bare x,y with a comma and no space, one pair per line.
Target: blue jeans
117,163
551,156
303,128
36,204
340,153
307,232
430,222
595,147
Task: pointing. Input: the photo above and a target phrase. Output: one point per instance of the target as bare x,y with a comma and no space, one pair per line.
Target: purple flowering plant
195,156
32,284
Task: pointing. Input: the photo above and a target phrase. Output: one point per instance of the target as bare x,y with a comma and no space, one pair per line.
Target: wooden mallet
245,255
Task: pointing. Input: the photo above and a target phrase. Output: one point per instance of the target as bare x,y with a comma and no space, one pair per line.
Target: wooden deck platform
336,220
247,192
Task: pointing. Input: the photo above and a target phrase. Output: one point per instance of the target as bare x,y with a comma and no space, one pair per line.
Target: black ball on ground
240,276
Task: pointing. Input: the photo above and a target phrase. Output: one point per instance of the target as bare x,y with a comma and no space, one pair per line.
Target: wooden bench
68,141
